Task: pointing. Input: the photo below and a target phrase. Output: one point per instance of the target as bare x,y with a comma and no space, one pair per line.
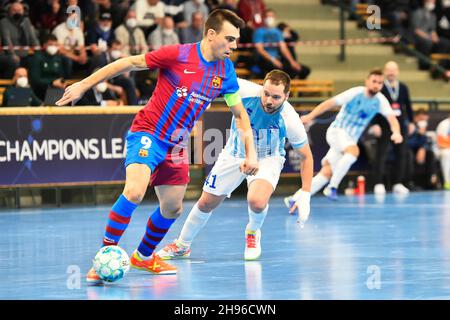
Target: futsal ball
111,263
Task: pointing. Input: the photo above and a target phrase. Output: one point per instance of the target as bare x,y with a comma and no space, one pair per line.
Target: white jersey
358,110
443,129
269,130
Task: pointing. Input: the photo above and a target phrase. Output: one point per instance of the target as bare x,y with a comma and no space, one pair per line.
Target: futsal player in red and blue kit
190,77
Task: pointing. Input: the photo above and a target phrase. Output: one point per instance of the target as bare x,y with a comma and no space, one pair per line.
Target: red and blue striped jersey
187,84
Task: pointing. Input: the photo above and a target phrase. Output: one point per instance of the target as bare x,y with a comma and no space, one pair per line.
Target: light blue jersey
269,130
358,110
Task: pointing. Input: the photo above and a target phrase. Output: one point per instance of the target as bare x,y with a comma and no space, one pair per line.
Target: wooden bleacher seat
318,88
435,57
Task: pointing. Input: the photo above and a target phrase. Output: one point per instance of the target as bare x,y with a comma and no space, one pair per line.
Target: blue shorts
143,147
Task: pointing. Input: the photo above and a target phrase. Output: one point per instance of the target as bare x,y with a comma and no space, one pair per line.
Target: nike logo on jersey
188,72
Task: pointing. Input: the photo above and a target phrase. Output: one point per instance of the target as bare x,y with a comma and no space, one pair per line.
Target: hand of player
72,93
302,204
397,138
249,166
306,119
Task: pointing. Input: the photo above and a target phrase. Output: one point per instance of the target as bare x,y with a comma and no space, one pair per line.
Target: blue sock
119,218
157,228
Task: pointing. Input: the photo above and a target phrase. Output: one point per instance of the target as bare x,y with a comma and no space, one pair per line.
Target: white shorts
225,176
338,140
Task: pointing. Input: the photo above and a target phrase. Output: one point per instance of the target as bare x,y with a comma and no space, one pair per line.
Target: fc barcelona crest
217,82
143,153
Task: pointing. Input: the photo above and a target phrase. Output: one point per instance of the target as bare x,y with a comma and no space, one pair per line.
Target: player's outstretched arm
306,173
76,90
317,111
396,136
250,165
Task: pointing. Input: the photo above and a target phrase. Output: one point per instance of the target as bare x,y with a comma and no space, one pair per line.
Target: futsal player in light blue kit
359,106
273,119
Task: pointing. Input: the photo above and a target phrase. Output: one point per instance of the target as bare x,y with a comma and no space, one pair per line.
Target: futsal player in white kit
359,106
273,119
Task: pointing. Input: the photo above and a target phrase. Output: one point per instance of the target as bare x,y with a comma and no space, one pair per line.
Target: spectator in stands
103,94
252,12
397,13
17,30
192,6
131,36
149,14
7,62
194,32
273,51
424,25
100,36
50,18
71,46
397,94
421,164
164,34
46,68
124,81
117,12
174,8
290,37
20,80
443,141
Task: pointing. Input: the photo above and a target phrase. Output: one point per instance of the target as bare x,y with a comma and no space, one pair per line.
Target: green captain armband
232,99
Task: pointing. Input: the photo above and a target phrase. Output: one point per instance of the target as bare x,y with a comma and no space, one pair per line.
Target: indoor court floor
356,248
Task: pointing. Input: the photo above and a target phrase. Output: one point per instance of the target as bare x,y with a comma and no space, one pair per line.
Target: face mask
131,23
430,6
105,29
17,16
422,124
167,32
101,87
115,54
22,82
270,22
52,50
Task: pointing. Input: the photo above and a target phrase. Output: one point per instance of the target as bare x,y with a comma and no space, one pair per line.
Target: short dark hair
216,19
421,111
376,72
278,77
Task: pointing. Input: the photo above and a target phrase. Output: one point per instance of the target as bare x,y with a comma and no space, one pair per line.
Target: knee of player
353,151
172,211
257,205
134,195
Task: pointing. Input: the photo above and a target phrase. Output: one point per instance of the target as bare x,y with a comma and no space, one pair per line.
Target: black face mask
17,16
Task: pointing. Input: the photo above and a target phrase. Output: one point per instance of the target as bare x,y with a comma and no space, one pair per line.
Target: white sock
341,169
195,222
445,164
318,182
256,219
140,255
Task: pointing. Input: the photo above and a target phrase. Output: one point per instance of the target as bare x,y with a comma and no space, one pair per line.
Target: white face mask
430,6
52,50
167,32
22,82
422,124
270,22
131,23
101,87
115,54
105,28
